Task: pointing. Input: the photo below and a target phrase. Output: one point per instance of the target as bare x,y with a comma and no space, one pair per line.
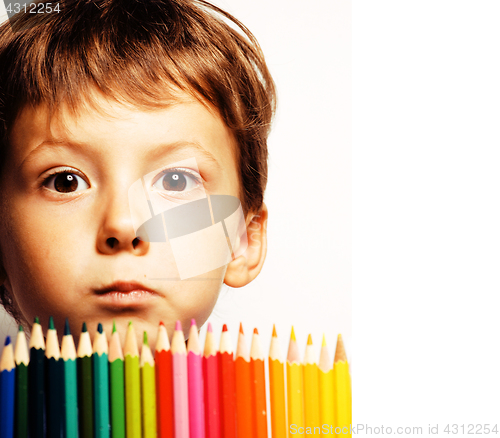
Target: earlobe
244,268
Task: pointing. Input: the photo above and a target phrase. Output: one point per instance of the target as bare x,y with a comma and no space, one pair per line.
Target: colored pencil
132,385
211,386
258,386
311,388
180,373
164,385
53,383
277,389
85,388
195,384
227,391
22,360
101,384
7,390
116,386
294,382
326,386
36,382
342,389
148,390
243,383
70,398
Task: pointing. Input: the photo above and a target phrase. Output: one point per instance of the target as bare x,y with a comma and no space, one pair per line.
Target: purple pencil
180,371
195,375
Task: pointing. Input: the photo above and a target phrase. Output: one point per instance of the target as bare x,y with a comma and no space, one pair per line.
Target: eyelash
195,175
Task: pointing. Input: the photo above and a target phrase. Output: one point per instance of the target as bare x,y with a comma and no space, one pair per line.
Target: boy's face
68,242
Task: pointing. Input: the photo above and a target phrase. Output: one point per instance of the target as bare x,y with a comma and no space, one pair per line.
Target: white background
426,216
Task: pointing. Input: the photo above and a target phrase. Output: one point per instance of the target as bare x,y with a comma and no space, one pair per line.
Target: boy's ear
243,269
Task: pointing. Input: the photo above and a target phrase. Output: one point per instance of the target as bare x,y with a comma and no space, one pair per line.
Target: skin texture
64,247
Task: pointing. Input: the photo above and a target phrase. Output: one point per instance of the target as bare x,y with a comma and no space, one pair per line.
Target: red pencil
164,388
211,386
227,385
243,388
258,387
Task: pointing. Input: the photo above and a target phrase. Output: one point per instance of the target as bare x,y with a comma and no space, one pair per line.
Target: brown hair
133,51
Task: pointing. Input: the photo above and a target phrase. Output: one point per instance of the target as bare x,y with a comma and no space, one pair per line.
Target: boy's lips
125,293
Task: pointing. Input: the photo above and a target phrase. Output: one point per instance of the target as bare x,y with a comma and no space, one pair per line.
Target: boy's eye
66,182
176,181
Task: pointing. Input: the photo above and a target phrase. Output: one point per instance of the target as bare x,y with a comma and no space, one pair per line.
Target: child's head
96,97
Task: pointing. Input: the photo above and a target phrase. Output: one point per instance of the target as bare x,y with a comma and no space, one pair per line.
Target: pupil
65,182
174,182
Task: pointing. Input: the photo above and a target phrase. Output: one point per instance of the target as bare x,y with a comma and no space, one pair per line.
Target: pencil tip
84,327
340,354
37,320
209,327
292,335
51,323
114,326
178,326
129,323
193,322
161,323
66,327
224,328
255,331
323,344
99,328
145,338
7,341
241,329
275,335
21,329
309,339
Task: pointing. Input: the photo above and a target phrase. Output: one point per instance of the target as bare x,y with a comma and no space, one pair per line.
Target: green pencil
101,384
68,354
54,382
116,385
22,360
132,385
36,382
85,390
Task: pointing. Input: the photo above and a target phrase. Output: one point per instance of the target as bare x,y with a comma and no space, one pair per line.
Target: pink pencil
181,401
211,382
195,375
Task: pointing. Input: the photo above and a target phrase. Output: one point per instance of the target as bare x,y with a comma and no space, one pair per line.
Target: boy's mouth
125,293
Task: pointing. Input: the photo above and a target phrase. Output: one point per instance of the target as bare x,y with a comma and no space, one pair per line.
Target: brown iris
65,182
174,181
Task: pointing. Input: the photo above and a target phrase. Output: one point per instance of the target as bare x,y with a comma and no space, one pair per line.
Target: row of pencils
180,391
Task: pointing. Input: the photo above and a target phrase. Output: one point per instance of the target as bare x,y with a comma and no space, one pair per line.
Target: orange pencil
164,388
243,388
227,386
258,387
277,389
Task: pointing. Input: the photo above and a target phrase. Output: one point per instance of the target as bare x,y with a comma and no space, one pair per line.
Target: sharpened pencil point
66,327
21,328
292,335
224,328
178,326
161,323
309,339
209,327
275,335
129,323
340,355
51,323
114,326
323,344
241,328
37,320
193,321
256,331
84,327
145,338
7,341
99,328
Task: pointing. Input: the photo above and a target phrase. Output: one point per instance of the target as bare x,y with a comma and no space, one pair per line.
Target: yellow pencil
148,390
342,390
132,385
294,388
326,387
311,390
277,389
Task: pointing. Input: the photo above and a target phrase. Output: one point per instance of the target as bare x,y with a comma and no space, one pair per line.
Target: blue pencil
7,378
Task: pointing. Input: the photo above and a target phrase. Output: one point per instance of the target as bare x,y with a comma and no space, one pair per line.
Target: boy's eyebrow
155,153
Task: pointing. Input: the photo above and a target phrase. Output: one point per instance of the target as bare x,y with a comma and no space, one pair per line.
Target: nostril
112,241
135,242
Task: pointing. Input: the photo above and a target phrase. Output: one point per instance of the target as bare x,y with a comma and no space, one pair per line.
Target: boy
96,98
